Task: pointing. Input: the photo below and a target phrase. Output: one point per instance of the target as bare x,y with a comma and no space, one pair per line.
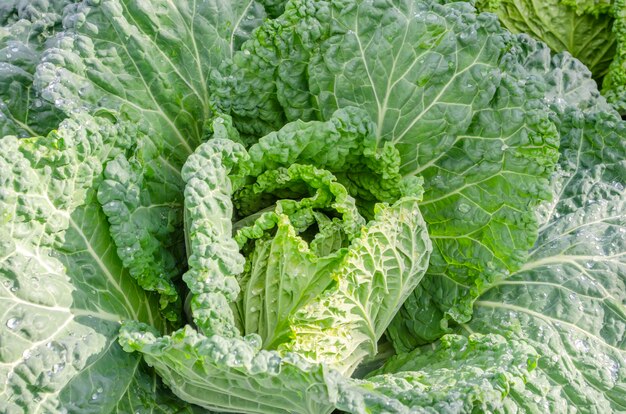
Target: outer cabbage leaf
25,33
125,56
569,82
567,303
328,332
456,375
63,290
564,310
569,300
585,32
143,202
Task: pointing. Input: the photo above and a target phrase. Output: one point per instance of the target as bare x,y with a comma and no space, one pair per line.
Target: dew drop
581,345
56,368
463,208
13,323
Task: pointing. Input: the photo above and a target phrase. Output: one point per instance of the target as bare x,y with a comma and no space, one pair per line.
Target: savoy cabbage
371,206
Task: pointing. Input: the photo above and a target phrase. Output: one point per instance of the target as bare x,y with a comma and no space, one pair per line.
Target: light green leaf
232,374
456,375
27,28
382,267
149,60
63,290
143,203
569,300
284,272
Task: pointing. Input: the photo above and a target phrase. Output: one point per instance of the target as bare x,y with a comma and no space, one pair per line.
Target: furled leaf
143,203
214,258
63,290
370,173
322,324
381,268
283,272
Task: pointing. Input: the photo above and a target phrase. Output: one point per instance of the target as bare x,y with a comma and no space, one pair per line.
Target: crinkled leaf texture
456,375
569,83
27,29
149,63
437,82
440,84
569,300
147,60
63,290
143,202
551,337
291,315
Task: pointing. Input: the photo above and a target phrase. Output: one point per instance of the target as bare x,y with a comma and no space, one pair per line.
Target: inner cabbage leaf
315,291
